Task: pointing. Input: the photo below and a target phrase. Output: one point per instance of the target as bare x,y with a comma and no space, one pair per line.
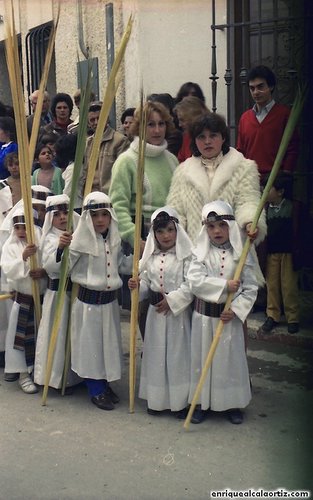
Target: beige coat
113,143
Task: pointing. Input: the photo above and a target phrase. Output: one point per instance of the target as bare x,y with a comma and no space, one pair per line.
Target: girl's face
101,220
45,157
41,211
166,236
62,112
218,232
209,143
20,231
14,170
156,129
60,219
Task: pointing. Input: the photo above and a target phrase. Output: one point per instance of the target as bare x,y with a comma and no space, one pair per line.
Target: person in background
61,109
187,111
7,141
261,128
47,174
215,171
175,139
46,116
189,89
127,119
14,180
73,127
281,277
112,144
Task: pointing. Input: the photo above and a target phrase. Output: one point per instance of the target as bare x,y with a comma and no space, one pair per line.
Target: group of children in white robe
187,288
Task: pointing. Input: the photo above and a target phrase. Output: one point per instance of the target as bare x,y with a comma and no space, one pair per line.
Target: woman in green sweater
159,167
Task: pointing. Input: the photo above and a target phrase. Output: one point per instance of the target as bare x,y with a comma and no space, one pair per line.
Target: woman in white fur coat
215,171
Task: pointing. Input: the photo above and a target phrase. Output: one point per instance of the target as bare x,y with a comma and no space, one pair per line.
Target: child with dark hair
217,253
165,371
47,174
14,181
281,277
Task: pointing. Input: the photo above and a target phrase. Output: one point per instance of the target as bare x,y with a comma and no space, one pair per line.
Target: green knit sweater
159,167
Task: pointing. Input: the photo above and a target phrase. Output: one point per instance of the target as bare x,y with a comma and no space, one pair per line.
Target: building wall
170,44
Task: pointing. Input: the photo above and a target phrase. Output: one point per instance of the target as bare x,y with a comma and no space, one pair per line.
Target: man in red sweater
261,128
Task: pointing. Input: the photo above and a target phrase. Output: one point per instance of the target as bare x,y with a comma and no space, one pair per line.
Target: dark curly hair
214,123
61,97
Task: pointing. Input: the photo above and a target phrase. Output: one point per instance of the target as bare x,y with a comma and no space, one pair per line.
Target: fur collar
195,173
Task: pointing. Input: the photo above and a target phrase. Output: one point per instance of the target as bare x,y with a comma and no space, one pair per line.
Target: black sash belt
208,308
155,297
53,284
96,297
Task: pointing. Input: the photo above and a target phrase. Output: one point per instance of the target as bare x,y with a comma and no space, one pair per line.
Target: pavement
279,334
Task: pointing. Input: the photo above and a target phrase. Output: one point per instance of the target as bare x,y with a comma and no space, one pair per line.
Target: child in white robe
95,257
219,246
165,370
54,239
20,339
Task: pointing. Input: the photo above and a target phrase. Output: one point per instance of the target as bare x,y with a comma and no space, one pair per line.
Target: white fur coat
236,180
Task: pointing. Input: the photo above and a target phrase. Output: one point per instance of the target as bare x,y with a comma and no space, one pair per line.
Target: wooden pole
137,241
289,130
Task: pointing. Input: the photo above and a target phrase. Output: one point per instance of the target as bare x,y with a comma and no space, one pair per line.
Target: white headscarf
85,238
39,196
53,204
19,218
221,209
183,245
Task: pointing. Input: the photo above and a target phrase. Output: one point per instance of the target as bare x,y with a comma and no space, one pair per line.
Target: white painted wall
170,44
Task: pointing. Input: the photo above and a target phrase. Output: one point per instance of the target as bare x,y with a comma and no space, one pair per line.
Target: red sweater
260,141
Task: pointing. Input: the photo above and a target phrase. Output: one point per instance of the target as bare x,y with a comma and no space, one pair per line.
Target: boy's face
14,170
60,219
275,195
166,236
45,157
41,211
101,220
20,231
218,232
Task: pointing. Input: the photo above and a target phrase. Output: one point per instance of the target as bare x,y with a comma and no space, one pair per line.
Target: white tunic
165,370
52,267
227,385
16,271
95,329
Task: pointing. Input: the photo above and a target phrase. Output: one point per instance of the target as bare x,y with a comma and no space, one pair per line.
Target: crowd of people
200,196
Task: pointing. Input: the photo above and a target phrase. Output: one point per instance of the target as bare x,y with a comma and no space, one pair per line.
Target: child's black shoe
269,324
235,416
293,327
198,416
103,401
